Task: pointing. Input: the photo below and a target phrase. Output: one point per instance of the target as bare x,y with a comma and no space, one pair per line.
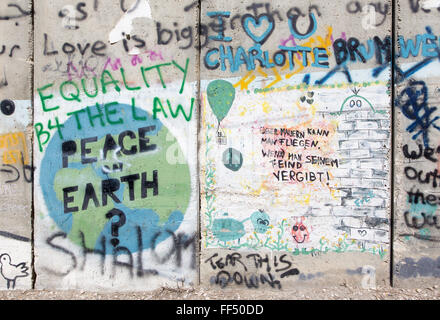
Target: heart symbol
257,23
311,94
310,101
303,99
363,233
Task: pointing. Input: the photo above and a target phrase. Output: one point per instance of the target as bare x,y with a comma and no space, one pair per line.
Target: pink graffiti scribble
343,36
73,71
292,39
285,41
116,65
136,60
154,55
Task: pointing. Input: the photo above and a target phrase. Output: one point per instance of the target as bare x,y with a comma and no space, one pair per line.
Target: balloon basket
221,138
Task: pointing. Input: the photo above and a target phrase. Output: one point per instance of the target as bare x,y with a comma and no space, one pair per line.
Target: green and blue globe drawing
157,216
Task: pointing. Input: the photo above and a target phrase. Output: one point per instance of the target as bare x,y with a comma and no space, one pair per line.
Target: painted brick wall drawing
225,144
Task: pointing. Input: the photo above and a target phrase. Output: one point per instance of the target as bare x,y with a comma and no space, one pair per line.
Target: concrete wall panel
295,138
416,237
15,145
116,122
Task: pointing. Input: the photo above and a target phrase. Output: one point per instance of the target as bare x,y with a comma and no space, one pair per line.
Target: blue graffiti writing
413,101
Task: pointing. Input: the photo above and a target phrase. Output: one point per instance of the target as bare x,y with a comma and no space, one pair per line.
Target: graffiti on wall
308,156
295,134
11,272
303,142
115,160
16,167
251,271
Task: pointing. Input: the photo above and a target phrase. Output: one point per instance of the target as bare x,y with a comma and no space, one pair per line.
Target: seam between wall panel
393,138
32,80
199,215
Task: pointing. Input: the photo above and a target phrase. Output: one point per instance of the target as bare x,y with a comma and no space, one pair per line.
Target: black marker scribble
23,13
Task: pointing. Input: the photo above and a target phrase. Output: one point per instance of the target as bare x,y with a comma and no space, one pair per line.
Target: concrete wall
299,188
416,236
16,163
116,148
225,144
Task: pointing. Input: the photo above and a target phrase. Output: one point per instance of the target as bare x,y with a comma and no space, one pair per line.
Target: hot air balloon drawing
221,95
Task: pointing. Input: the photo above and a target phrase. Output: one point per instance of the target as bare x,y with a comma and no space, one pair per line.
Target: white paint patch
135,51
19,120
429,4
140,9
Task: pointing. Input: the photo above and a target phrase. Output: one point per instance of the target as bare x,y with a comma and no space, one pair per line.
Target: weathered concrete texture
295,153
416,236
117,198
286,167
15,145
344,292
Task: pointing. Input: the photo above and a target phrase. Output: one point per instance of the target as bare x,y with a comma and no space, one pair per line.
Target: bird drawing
11,271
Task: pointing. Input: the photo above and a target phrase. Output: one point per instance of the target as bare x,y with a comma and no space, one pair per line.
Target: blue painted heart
256,36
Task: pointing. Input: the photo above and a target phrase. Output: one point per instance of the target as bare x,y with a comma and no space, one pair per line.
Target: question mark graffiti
116,225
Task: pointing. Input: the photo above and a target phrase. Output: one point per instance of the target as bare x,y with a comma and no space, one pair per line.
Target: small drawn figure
228,229
11,271
358,103
260,221
299,231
